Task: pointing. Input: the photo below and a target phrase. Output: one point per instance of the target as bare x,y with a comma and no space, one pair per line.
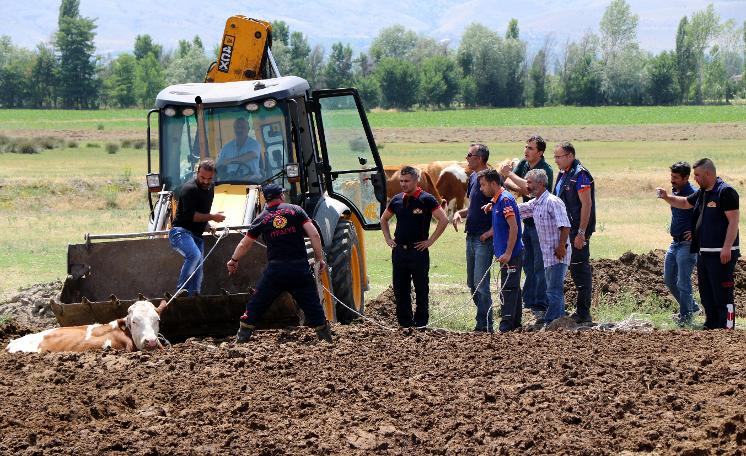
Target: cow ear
121,323
161,306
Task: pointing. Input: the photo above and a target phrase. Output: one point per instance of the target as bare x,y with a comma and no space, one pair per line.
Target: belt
679,238
293,261
406,246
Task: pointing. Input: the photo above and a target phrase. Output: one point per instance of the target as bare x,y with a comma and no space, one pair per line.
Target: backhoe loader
317,144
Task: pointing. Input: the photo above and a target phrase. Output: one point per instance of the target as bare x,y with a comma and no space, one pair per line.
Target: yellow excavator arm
244,51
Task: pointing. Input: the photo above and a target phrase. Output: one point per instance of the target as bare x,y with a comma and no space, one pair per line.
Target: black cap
272,191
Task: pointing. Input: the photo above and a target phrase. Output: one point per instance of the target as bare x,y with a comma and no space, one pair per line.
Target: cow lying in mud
137,331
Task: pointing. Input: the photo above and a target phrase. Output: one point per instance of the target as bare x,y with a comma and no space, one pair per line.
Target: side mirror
154,182
379,186
292,171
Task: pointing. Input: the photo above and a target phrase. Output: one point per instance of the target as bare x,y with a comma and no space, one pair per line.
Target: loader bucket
105,278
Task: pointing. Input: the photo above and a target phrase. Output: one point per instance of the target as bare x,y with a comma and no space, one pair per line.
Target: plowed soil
375,391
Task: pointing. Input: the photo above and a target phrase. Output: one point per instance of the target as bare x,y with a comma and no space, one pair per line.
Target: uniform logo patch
279,222
712,204
417,211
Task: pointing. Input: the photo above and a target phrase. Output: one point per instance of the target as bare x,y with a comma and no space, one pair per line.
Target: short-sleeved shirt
477,222
413,215
681,219
583,184
281,227
523,167
504,207
193,198
231,150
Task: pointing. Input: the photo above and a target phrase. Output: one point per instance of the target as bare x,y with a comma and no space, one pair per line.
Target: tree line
403,69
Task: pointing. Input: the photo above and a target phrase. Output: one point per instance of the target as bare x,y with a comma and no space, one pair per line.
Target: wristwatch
581,231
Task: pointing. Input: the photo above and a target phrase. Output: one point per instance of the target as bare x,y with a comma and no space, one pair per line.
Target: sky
355,22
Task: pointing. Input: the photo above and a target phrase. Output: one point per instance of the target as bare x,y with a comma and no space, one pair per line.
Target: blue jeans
535,285
677,273
478,260
555,276
191,248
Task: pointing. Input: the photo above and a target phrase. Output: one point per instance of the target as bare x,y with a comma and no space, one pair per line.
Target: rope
224,233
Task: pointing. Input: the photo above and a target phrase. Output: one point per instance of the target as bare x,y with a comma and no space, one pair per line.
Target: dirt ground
374,391
677,132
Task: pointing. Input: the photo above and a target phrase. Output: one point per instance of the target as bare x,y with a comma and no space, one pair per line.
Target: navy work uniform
710,225
570,183
413,215
281,227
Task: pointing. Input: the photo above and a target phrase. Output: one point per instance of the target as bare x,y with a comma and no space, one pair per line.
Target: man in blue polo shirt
506,230
715,237
410,257
679,262
479,251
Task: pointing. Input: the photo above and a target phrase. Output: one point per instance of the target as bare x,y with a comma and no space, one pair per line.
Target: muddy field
677,132
386,392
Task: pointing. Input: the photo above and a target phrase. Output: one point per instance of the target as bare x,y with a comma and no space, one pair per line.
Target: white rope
224,233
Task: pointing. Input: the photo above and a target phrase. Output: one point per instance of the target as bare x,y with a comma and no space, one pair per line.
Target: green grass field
135,119
51,199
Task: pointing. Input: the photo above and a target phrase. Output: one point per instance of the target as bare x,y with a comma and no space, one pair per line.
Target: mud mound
373,391
30,306
382,308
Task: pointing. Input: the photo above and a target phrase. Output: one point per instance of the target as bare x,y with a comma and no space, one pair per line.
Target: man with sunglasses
479,251
575,187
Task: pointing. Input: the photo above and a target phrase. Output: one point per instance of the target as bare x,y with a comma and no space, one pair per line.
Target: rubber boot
244,333
324,332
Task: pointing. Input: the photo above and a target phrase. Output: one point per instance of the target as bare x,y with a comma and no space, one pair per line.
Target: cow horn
161,306
140,297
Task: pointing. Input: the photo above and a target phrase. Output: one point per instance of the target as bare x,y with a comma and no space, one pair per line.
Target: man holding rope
506,229
282,227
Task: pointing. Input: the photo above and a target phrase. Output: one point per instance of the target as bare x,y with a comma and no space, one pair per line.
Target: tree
316,67
43,78
703,27
663,88
338,70
190,67
715,84
15,74
363,67
123,74
399,82
370,91
685,61
78,87
299,53
150,80
538,75
512,32
479,58
622,60
513,52
581,73
439,81
280,33
144,45
394,41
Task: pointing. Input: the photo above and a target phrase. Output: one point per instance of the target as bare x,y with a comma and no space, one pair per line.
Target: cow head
143,321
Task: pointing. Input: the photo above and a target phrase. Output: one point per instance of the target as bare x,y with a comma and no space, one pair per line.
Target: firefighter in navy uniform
282,227
410,258
715,237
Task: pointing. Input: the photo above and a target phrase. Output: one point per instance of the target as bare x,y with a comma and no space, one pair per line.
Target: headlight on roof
270,103
251,107
170,112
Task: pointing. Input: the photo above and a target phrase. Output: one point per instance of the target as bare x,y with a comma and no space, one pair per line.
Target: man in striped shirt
553,227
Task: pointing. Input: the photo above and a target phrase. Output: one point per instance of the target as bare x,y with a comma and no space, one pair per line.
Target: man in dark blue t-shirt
282,227
679,262
410,257
478,229
715,236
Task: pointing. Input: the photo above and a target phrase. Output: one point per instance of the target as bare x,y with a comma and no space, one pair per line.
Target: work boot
324,332
244,333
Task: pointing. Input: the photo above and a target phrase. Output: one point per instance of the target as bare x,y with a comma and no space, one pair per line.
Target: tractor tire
345,260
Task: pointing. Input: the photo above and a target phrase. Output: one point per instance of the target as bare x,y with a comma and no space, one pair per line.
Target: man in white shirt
553,226
239,158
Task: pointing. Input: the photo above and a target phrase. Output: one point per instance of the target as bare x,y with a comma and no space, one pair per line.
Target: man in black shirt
282,227
410,258
715,237
192,216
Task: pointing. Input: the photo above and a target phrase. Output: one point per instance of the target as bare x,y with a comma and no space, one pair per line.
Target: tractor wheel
345,259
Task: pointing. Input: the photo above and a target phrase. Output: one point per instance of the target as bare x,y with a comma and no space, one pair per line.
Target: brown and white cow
137,331
426,183
452,185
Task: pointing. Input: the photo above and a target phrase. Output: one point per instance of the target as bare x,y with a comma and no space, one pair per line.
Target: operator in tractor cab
239,158
282,227
192,216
